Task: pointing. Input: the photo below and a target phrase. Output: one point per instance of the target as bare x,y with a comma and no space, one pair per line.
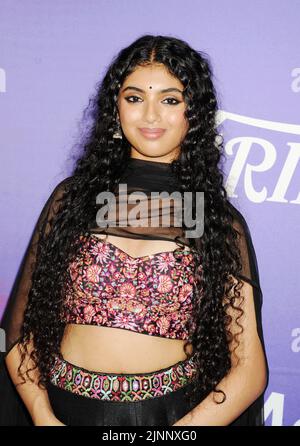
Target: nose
151,113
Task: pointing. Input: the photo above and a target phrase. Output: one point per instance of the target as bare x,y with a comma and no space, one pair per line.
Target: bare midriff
115,350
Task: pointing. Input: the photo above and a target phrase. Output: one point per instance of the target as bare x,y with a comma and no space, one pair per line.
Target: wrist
42,411
44,419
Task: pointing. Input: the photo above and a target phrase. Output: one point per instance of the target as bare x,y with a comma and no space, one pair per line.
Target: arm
245,381
35,399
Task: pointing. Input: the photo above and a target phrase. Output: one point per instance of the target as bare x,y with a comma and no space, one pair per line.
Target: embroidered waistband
121,387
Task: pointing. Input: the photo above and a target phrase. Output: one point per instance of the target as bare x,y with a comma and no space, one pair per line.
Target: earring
118,133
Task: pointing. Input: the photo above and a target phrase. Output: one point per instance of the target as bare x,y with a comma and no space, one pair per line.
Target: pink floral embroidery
150,294
116,304
163,325
150,327
165,261
165,284
136,307
109,289
185,292
89,313
130,271
127,290
141,276
116,276
101,252
172,307
124,321
99,320
73,270
92,273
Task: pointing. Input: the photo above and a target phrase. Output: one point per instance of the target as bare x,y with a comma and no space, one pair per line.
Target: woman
138,324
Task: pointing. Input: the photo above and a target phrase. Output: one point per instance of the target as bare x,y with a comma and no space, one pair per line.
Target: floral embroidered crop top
150,294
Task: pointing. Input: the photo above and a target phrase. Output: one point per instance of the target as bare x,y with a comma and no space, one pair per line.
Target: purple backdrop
53,53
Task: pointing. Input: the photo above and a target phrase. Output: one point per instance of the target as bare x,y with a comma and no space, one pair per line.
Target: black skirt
80,397
75,410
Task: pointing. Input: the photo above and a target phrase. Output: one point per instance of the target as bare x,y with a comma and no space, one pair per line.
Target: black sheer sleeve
254,415
12,409
13,315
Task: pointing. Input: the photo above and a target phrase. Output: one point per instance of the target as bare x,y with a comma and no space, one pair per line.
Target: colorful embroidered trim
121,387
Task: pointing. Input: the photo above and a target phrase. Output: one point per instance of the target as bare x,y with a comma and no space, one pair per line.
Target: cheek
129,115
178,121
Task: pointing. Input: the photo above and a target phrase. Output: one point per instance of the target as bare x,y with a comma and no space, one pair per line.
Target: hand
187,420
49,420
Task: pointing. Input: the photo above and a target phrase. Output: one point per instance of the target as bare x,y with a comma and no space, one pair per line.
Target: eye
129,97
172,99
167,99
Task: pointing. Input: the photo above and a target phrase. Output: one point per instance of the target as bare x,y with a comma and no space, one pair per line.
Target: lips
152,133
150,130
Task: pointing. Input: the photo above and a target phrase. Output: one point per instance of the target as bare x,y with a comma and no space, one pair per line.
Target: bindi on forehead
165,90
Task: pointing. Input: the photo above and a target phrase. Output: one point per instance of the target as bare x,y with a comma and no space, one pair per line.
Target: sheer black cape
144,176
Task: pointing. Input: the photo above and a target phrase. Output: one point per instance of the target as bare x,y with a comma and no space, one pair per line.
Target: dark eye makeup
167,99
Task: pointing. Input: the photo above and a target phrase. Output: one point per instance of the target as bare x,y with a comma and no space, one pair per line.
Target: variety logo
242,146
274,410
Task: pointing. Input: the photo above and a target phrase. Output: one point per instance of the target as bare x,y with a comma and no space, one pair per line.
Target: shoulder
54,199
62,186
237,214
59,190
239,221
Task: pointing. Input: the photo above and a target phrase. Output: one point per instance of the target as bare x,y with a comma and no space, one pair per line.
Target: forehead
156,76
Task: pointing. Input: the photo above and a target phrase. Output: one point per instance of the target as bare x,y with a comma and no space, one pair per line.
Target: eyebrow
166,90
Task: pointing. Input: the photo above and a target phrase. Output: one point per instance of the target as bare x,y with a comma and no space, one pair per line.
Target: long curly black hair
99,168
